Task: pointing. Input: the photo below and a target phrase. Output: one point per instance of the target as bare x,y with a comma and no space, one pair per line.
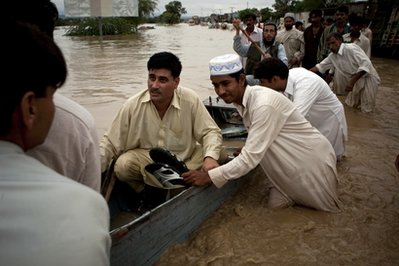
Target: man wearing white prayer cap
298,161
292,40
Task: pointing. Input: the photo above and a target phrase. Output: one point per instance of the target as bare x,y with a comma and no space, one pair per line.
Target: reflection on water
243,231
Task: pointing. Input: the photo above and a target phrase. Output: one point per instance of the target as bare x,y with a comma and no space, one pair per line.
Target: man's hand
209,163
349,86
197,178
237,25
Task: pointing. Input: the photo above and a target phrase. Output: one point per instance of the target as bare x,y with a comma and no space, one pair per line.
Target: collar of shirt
341,48
175,101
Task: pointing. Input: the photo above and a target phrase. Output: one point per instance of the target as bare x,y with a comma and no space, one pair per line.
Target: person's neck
355,34
250,29
316,25
268,43
340,25
161,108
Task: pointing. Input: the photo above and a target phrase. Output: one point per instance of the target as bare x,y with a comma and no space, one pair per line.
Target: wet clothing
294,45
253,54
71,146
296,158
187,130
46,218
320,106
350,60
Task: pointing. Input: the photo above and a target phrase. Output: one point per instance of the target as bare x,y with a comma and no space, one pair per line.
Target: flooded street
102,75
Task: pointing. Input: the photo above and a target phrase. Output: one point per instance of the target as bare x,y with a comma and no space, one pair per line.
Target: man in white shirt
296,158
269,46
356,36
353,73
46,218
253,31
311,95
71,147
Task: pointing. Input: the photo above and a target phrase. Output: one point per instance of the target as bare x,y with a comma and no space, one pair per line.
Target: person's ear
177,81
28,109
241,80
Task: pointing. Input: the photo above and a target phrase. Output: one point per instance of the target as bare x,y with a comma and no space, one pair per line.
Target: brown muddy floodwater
102,75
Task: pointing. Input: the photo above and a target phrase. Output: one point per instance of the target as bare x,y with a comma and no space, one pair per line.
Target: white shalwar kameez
298,160
350,60
320,106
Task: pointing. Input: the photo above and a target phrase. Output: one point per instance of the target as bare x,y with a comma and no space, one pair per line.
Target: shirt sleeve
111,143
239,48
325,65
361,58
266,123
282,55
206,131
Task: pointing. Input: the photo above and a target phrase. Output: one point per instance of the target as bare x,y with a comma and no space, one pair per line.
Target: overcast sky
203,7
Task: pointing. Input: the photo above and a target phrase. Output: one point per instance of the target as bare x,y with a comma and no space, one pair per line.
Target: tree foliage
266,14
244,12
147,7
173,12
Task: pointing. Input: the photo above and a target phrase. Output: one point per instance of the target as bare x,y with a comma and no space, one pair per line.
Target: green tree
244,12
282,7
266,14
147,7
173,12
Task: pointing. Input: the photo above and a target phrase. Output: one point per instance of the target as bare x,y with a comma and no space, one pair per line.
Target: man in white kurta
46,218
254,32
297,159
293,41
353,73
71,147
311,95
361,40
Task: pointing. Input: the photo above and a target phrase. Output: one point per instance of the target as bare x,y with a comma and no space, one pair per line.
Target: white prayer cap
290,15
225,64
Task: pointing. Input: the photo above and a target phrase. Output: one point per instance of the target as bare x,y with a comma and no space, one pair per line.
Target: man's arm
354,79
281,54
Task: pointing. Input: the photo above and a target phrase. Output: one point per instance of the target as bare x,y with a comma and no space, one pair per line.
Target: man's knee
129,165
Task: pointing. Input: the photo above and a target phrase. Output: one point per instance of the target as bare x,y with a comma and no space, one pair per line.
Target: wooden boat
141,239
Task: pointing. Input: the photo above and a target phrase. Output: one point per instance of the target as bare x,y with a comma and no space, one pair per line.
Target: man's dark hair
316,12
32,62
335,35
237,75
41,13
343,9
270,67
355,20
250,15
165,60
271,23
